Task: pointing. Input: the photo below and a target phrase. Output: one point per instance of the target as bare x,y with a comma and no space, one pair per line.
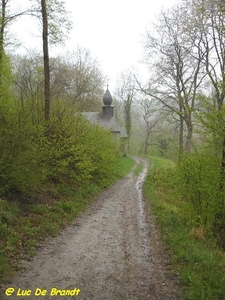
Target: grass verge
138,169
24,226
195,256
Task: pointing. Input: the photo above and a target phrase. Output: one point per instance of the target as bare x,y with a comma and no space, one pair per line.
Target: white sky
112,30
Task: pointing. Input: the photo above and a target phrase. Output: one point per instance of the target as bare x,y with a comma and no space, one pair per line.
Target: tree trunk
127,111
146,147
181,137
2,29
46,59
222,173
189,134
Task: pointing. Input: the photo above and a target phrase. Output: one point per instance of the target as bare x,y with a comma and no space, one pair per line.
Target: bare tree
29,85
7,16
76,81
176,74
126,93
151,116
83,81
207,25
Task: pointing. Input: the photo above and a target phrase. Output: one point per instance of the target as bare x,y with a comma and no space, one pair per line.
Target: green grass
158,162
22,227
138,169
124,166
195,256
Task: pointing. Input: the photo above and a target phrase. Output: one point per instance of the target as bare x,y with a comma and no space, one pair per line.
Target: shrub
199,183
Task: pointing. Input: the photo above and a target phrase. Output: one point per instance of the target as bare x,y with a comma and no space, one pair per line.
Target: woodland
44,139
52,160
178,113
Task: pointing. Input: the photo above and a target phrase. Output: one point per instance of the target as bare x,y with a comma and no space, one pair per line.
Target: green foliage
210,168
199,176
124,165
69,151
193,248
138,169
59,21
23,226
79,154
196,180
48,172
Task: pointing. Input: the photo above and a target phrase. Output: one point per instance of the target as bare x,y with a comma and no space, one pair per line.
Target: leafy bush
68,152
199,175
196,180
194,253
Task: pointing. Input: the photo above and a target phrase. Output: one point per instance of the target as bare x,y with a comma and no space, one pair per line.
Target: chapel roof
107,98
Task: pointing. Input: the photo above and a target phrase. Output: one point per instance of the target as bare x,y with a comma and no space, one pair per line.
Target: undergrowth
195,253
24,225
138,169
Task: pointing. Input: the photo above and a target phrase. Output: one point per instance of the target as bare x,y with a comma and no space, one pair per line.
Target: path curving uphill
111,252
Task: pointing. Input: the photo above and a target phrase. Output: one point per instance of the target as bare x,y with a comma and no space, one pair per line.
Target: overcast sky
112,30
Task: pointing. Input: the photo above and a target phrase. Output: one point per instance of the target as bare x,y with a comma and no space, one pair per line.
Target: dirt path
111,252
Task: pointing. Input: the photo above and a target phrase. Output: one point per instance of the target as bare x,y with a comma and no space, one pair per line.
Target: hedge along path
112,251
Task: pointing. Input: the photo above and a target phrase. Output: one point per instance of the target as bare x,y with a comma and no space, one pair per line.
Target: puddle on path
141,204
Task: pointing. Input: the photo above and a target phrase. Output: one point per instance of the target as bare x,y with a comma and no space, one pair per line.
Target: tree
207,27
207,24
46,59
2,29
8,15
29,85
151,116
55,24
176,74
204,171
126,93
76,81
83,80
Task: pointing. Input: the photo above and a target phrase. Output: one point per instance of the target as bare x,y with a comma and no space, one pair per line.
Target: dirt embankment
111,252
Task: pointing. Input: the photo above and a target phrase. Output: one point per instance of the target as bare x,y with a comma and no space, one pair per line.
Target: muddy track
111,252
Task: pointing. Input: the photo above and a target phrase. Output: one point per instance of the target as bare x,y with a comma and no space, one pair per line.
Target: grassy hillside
195,253
24,225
